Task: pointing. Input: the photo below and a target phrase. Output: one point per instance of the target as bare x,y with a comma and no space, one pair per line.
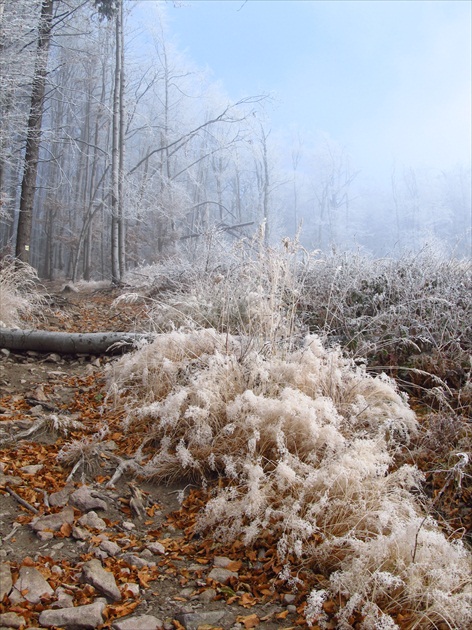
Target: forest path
139,533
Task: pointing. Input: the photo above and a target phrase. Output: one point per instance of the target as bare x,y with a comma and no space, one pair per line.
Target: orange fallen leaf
251,621
66,529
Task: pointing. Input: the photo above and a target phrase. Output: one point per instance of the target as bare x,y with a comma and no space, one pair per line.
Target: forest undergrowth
324,399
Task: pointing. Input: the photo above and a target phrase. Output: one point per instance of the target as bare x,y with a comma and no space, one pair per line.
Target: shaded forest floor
144,535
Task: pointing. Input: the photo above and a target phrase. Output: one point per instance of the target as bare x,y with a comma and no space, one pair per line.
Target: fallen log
70,343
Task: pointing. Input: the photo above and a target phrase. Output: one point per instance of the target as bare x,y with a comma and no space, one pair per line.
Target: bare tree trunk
33,141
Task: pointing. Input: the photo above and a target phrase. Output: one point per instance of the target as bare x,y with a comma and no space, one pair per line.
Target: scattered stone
192,620
104,581
62,497
33,469
207,596
84,501
91,519
132,588
11,620
128,525
289,598
44,536
156,548
222,576
53,522
64,599
221,562
86,617
109,547
31,585
137,561
79,533
291,608
10,480
5,582
140,622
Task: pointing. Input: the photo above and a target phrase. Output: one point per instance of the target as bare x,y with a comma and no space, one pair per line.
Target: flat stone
139,622
91,519
84,501
221,562
33,469
53,522
110,547
137,561
10,480
79,533
133,588
208,595
156,548
222,576
64,599
61,497
104,581
11,620
31,585
86,617
5,581
193,620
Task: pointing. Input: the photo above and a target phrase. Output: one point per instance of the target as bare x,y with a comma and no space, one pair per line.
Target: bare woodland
115,150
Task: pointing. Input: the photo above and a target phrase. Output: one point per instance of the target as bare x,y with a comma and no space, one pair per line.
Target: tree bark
33,140
70,343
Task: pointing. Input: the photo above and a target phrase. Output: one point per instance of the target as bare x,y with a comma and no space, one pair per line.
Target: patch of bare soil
86,545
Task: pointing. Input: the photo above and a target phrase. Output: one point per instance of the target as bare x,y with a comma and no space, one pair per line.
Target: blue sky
389,80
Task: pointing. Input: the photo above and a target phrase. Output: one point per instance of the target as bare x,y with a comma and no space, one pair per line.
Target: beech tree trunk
70,343
33,139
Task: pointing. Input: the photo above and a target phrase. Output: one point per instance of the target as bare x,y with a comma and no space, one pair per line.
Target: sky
388,80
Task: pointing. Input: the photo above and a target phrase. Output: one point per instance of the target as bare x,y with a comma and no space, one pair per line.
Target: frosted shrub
19,296
247,289
305,439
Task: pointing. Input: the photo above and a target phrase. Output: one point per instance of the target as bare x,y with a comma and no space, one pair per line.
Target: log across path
71,343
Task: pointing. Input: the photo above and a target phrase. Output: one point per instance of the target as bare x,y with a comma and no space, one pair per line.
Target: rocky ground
83,544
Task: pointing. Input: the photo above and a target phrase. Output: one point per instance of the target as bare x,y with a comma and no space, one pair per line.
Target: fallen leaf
251,621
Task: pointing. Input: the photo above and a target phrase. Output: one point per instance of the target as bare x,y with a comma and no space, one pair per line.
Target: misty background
374,93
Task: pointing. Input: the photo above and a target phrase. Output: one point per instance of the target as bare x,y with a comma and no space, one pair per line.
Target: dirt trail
74,545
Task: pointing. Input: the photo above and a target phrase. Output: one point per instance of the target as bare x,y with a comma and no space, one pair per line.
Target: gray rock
156,548
11,620
64,599
110,547
5,581
53,522
32,469
221,562
104,581
222,576
32,584
137,561
207,596
91,519
139,622
84,501
86,617
193,620
79,533
133,588
11,480
61,497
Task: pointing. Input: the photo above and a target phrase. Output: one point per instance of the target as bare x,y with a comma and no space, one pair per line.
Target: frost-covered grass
20,299
306,441
309,443
412,314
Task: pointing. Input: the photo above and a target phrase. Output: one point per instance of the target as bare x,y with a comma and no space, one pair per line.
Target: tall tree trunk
117,155
33,140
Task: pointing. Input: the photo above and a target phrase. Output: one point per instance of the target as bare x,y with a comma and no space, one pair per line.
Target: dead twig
21,501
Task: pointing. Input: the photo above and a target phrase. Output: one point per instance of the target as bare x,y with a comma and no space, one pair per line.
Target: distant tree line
114,149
